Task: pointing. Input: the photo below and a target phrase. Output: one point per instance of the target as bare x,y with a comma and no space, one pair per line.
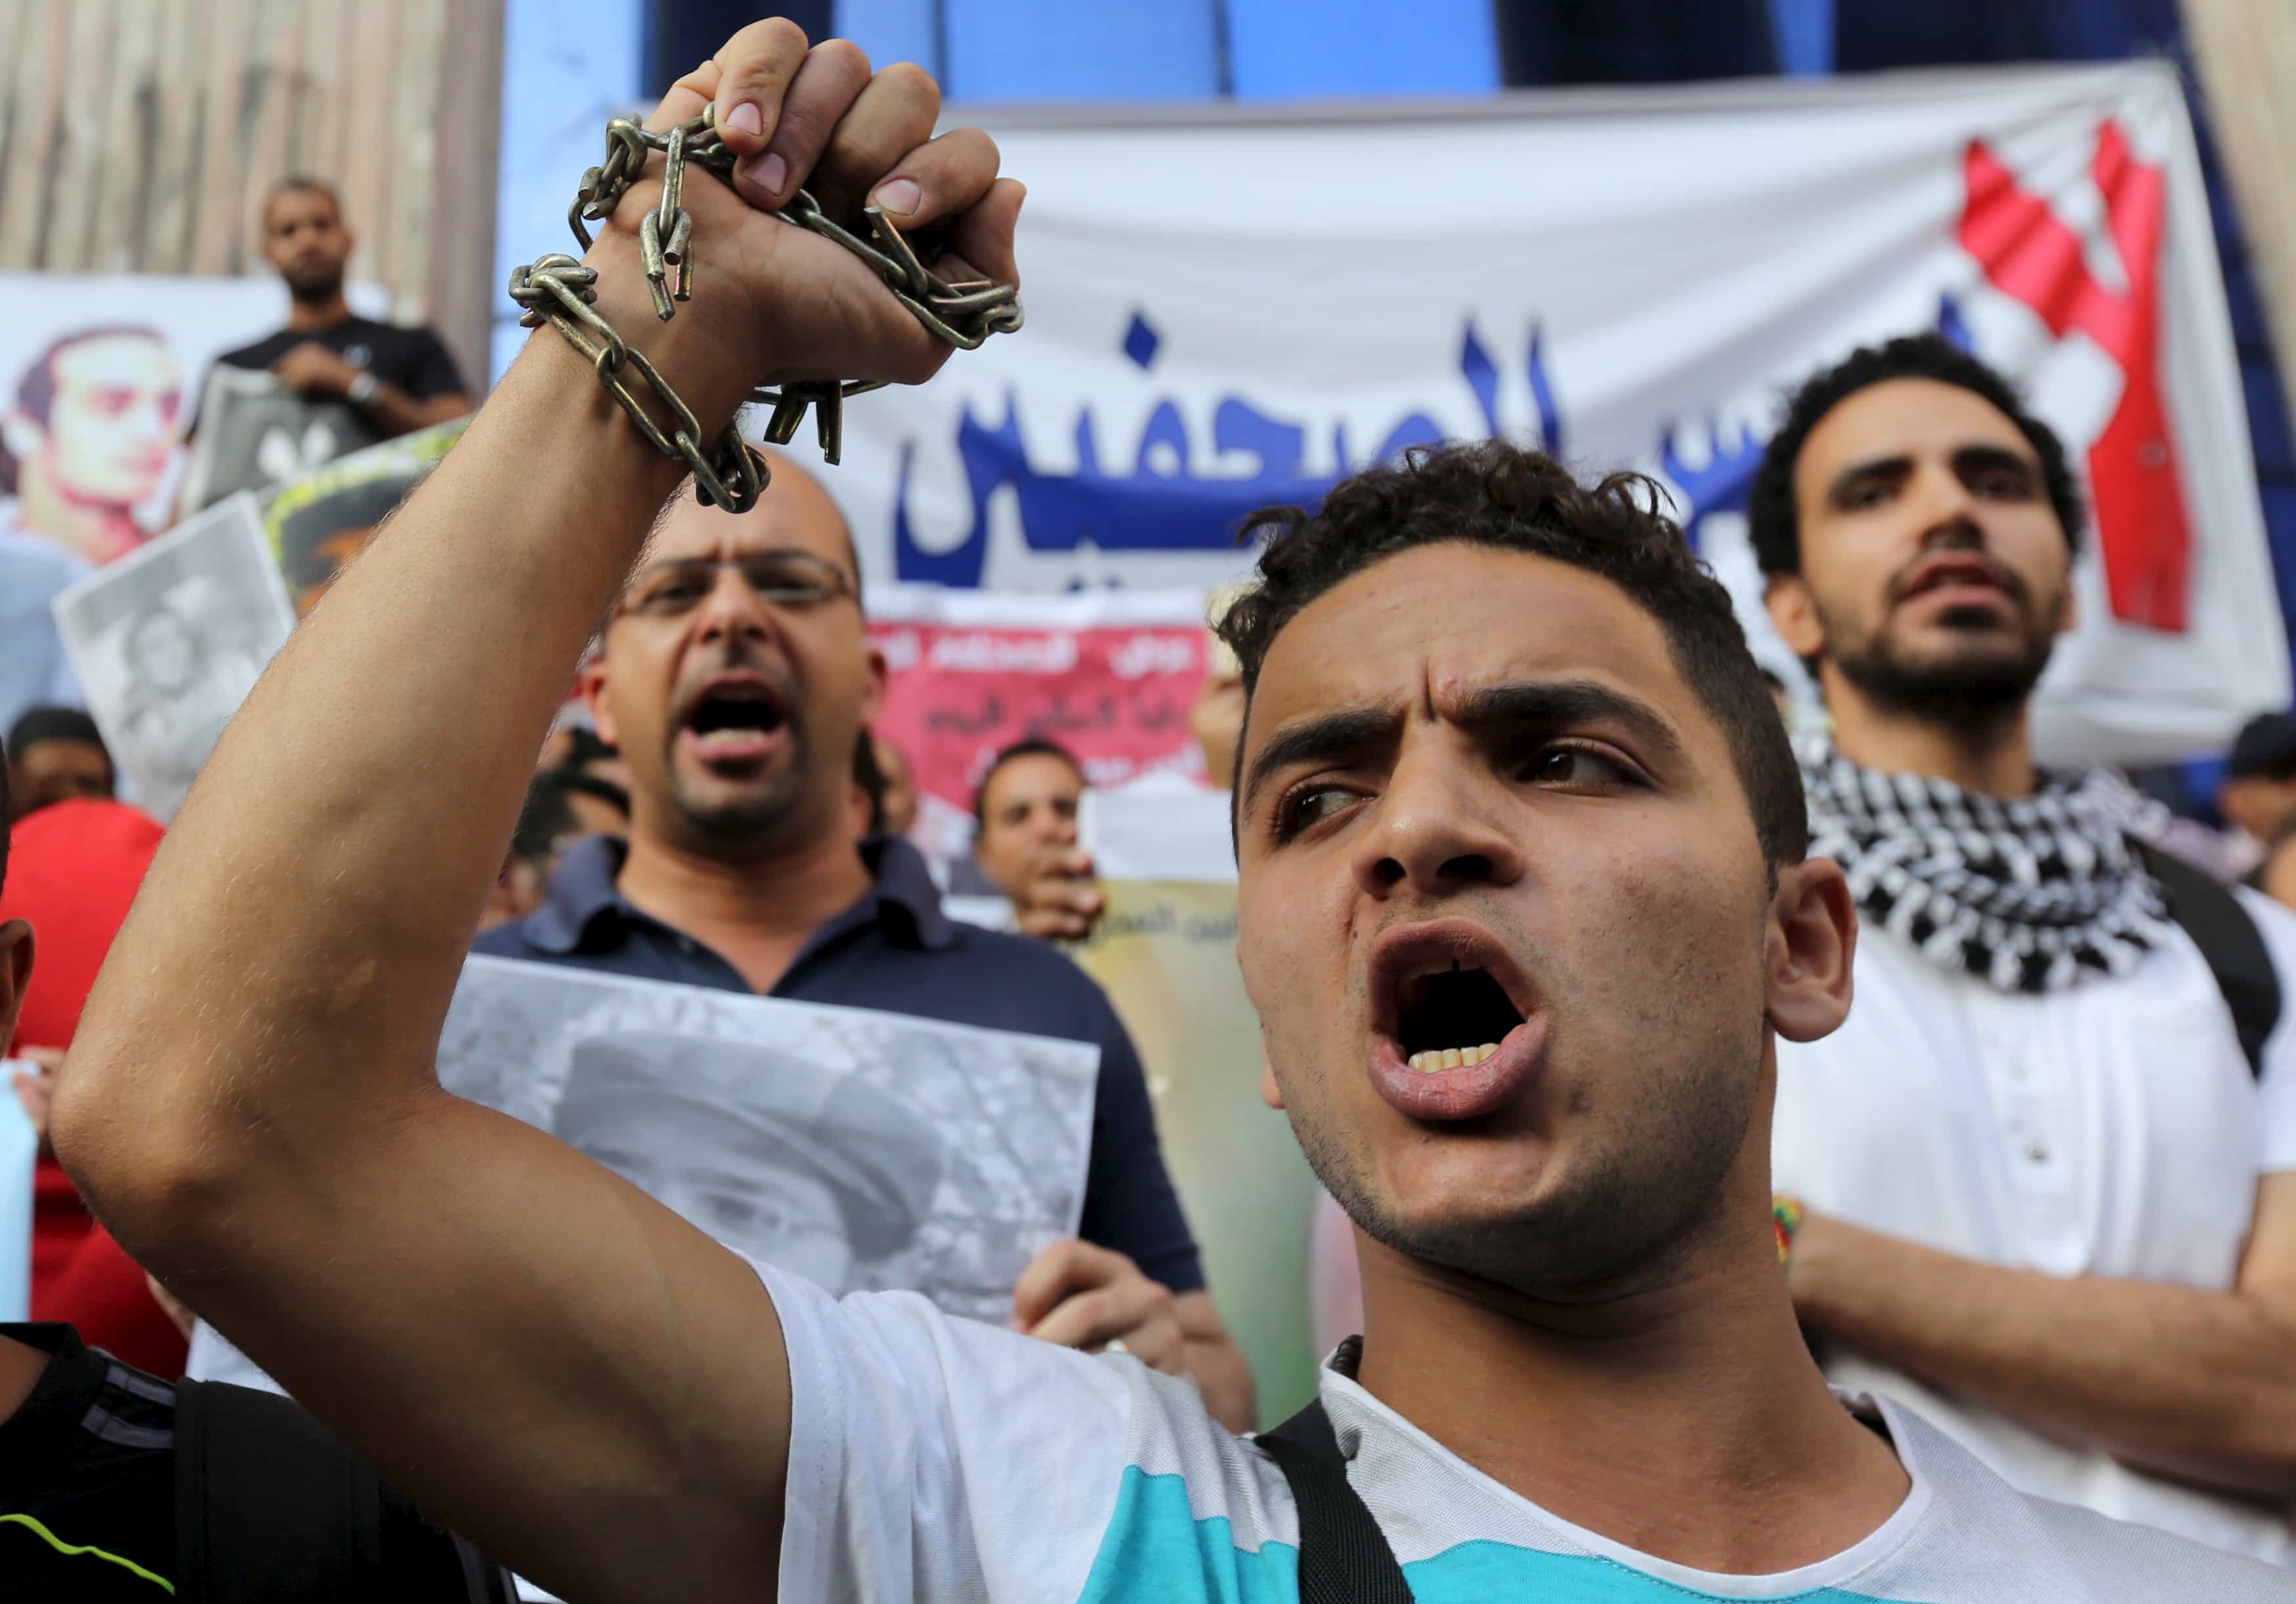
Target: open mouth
1453,1017
1447,994
735,718
1458,1031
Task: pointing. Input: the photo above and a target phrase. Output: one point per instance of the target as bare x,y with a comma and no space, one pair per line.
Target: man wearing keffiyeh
2035,1187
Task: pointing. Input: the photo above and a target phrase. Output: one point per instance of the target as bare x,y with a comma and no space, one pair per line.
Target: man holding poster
735,675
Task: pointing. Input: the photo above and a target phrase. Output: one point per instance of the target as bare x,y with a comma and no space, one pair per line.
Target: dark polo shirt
894,950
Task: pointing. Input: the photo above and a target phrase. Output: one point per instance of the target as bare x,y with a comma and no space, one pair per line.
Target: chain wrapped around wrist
558,290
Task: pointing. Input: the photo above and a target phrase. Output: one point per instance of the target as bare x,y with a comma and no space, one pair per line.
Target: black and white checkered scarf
2029,894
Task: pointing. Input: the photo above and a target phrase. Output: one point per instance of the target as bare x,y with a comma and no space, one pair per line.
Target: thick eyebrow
1850,477
1537,704
1971,461
1566,704
1347,733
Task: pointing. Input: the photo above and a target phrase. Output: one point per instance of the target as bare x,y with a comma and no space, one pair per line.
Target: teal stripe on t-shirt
1155,1551
1477,1571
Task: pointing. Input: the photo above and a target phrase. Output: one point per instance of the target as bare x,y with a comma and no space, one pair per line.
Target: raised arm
545,1358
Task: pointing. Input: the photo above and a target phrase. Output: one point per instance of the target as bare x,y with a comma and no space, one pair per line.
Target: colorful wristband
1785,1219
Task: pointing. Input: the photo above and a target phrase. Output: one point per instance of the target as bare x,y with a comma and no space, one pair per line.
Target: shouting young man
1524,909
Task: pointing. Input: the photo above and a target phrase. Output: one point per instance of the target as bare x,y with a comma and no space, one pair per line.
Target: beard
320,285
1989,670
1636,1202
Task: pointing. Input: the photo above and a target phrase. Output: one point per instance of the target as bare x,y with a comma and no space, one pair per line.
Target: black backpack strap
272,1508
2225,932
1344,1558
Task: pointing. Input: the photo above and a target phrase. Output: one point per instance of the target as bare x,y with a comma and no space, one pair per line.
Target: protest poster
94,374
96,370
256,433
1629,276
861,1150
319,521
167,642
1112,676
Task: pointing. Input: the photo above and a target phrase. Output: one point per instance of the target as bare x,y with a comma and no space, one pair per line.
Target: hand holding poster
257,433
863,1150
168,641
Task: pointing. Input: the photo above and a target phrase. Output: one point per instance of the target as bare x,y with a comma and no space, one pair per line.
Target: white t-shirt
2113,1129
934,1460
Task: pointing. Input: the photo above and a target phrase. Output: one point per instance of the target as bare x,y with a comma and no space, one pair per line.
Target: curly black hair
1770,516
1493,494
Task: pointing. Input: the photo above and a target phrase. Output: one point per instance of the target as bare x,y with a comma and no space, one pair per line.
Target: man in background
2044,1180
1025,805
399,378
547,825
2258,800
55,754
89,437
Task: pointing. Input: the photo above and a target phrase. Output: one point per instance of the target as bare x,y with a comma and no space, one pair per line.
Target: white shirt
2111,1129
933,1460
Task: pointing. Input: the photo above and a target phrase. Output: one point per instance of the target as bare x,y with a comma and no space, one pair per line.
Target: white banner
1228,312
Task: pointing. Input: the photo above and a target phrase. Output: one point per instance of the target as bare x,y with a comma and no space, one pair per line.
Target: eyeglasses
792,580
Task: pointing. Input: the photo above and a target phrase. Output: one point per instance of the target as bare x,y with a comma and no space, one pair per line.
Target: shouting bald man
735,676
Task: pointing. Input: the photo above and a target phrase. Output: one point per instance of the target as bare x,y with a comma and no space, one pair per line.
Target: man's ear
1794,612
873,697
1270,1093
590,685
15,975
1808,958
22,436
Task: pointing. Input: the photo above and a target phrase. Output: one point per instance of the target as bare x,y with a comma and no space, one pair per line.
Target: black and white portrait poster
863,1150
255,433
168,640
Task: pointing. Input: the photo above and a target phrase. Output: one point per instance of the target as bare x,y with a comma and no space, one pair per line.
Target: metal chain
559,291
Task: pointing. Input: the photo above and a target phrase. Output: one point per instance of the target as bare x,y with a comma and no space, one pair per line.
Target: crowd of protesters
1856,1162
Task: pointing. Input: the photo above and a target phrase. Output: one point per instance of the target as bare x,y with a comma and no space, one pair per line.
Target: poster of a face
864,1151
95,382
861,1150
256,433
168,641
